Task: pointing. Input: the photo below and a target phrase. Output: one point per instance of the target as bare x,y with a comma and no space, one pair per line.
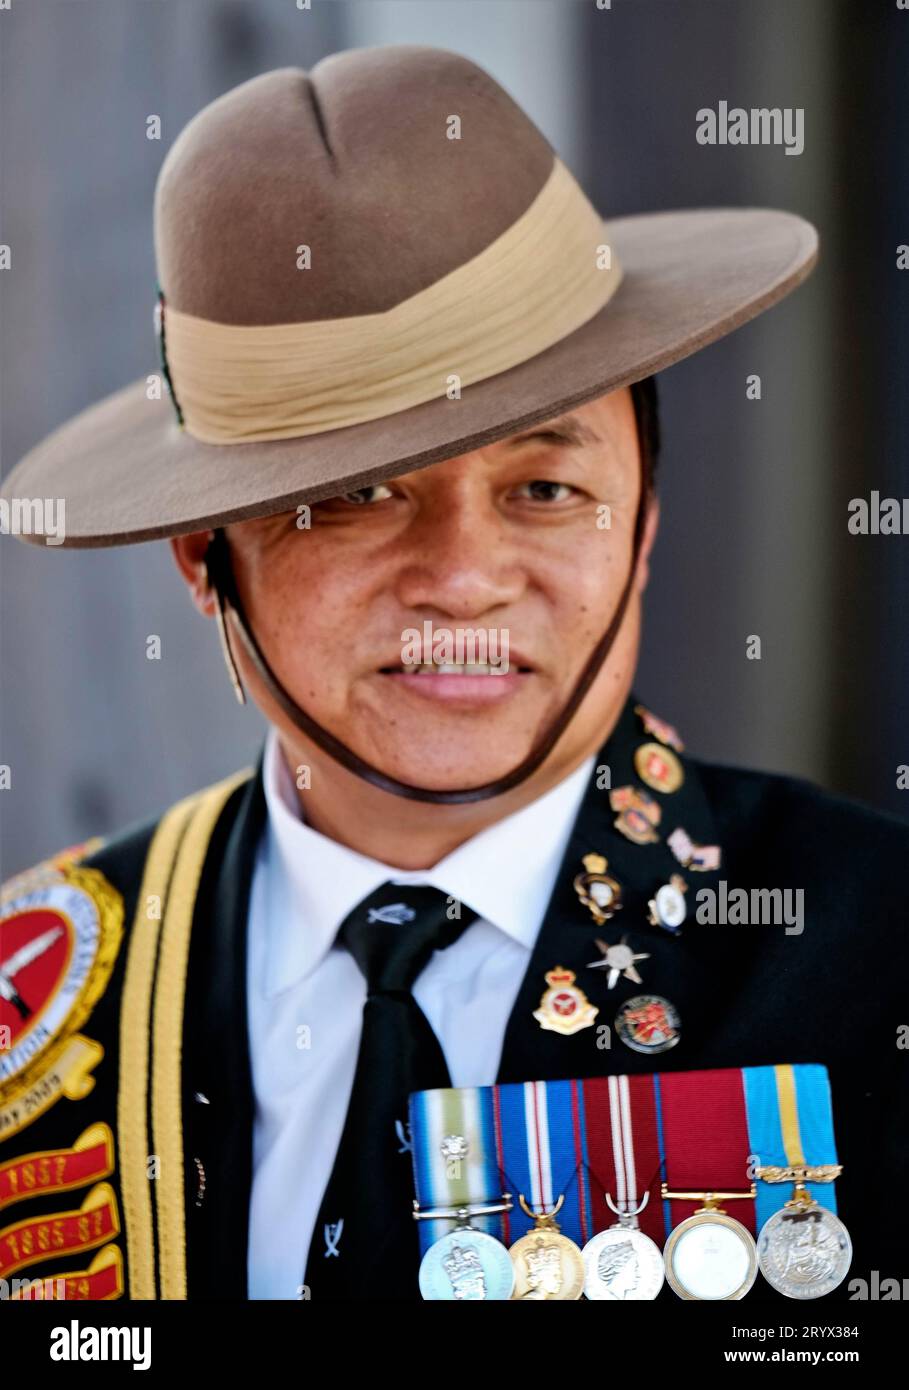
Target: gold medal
658,767
711,1257
547,1265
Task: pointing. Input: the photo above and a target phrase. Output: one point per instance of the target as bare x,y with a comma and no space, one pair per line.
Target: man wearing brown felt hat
403,443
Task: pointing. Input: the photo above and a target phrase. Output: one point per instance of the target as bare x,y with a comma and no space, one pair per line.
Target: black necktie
364,1243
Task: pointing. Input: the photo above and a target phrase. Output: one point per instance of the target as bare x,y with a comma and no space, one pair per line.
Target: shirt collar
505,874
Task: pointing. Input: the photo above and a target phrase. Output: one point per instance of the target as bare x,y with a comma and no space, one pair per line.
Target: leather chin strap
221,578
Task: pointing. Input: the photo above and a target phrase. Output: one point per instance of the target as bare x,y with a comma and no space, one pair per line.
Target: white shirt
305,995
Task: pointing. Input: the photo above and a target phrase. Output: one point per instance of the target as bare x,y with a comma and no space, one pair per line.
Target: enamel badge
58,943
648,1023
599,893
702,858
667,908
638,814
564,1007
658,767
659,728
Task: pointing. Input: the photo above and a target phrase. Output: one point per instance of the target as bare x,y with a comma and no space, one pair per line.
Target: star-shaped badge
618,960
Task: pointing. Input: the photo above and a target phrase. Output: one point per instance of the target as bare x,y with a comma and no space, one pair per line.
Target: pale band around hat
542,279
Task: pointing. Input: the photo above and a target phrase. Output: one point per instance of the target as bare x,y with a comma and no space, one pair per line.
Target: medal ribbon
624,1150
790,1124
542,1145
545,1139
443,1180
705,1138
700,1131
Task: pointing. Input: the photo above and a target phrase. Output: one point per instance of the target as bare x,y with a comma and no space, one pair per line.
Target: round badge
547,1265
622,1265
804,1251
648,1023
668,908
59,941
711,1257
658,767
466,1266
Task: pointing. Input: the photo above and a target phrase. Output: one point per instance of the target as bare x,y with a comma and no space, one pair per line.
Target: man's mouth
466,683
464,668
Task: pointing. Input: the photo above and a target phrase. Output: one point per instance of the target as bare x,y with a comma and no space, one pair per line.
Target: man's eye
542,491
377,492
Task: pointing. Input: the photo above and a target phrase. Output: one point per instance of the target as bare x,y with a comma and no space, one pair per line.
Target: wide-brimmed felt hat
372,266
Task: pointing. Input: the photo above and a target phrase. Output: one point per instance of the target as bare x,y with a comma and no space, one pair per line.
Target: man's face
526,541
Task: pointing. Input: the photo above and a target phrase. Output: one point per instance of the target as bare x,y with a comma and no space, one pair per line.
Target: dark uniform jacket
174,1083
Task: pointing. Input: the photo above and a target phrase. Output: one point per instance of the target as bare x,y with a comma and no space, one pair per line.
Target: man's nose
459,558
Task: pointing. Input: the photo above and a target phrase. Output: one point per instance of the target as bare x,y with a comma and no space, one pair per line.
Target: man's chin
444,745
433,773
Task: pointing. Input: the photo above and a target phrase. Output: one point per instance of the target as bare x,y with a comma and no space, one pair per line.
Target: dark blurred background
755,493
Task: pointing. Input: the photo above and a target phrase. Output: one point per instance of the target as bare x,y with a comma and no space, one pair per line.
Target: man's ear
651,525
189,553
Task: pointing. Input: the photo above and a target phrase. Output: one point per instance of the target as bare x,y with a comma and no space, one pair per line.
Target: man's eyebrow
568,427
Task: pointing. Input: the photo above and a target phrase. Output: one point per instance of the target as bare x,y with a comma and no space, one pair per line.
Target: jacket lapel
218,1130
568,935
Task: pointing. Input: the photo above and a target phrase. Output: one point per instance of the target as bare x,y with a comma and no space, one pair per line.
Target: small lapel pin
668,907
600,893
659,728
702,858
619,960
564,1008
648,1023
396,914
658,767
638,816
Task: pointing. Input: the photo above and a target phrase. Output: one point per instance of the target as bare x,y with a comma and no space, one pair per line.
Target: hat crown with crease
369,268
353,160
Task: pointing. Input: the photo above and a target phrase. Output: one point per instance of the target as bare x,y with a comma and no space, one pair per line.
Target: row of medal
803,1251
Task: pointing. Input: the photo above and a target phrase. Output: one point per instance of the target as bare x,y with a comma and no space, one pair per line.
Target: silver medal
804,1250
466,1266
621,1264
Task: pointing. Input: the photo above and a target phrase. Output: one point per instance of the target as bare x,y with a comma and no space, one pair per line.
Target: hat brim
128,473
